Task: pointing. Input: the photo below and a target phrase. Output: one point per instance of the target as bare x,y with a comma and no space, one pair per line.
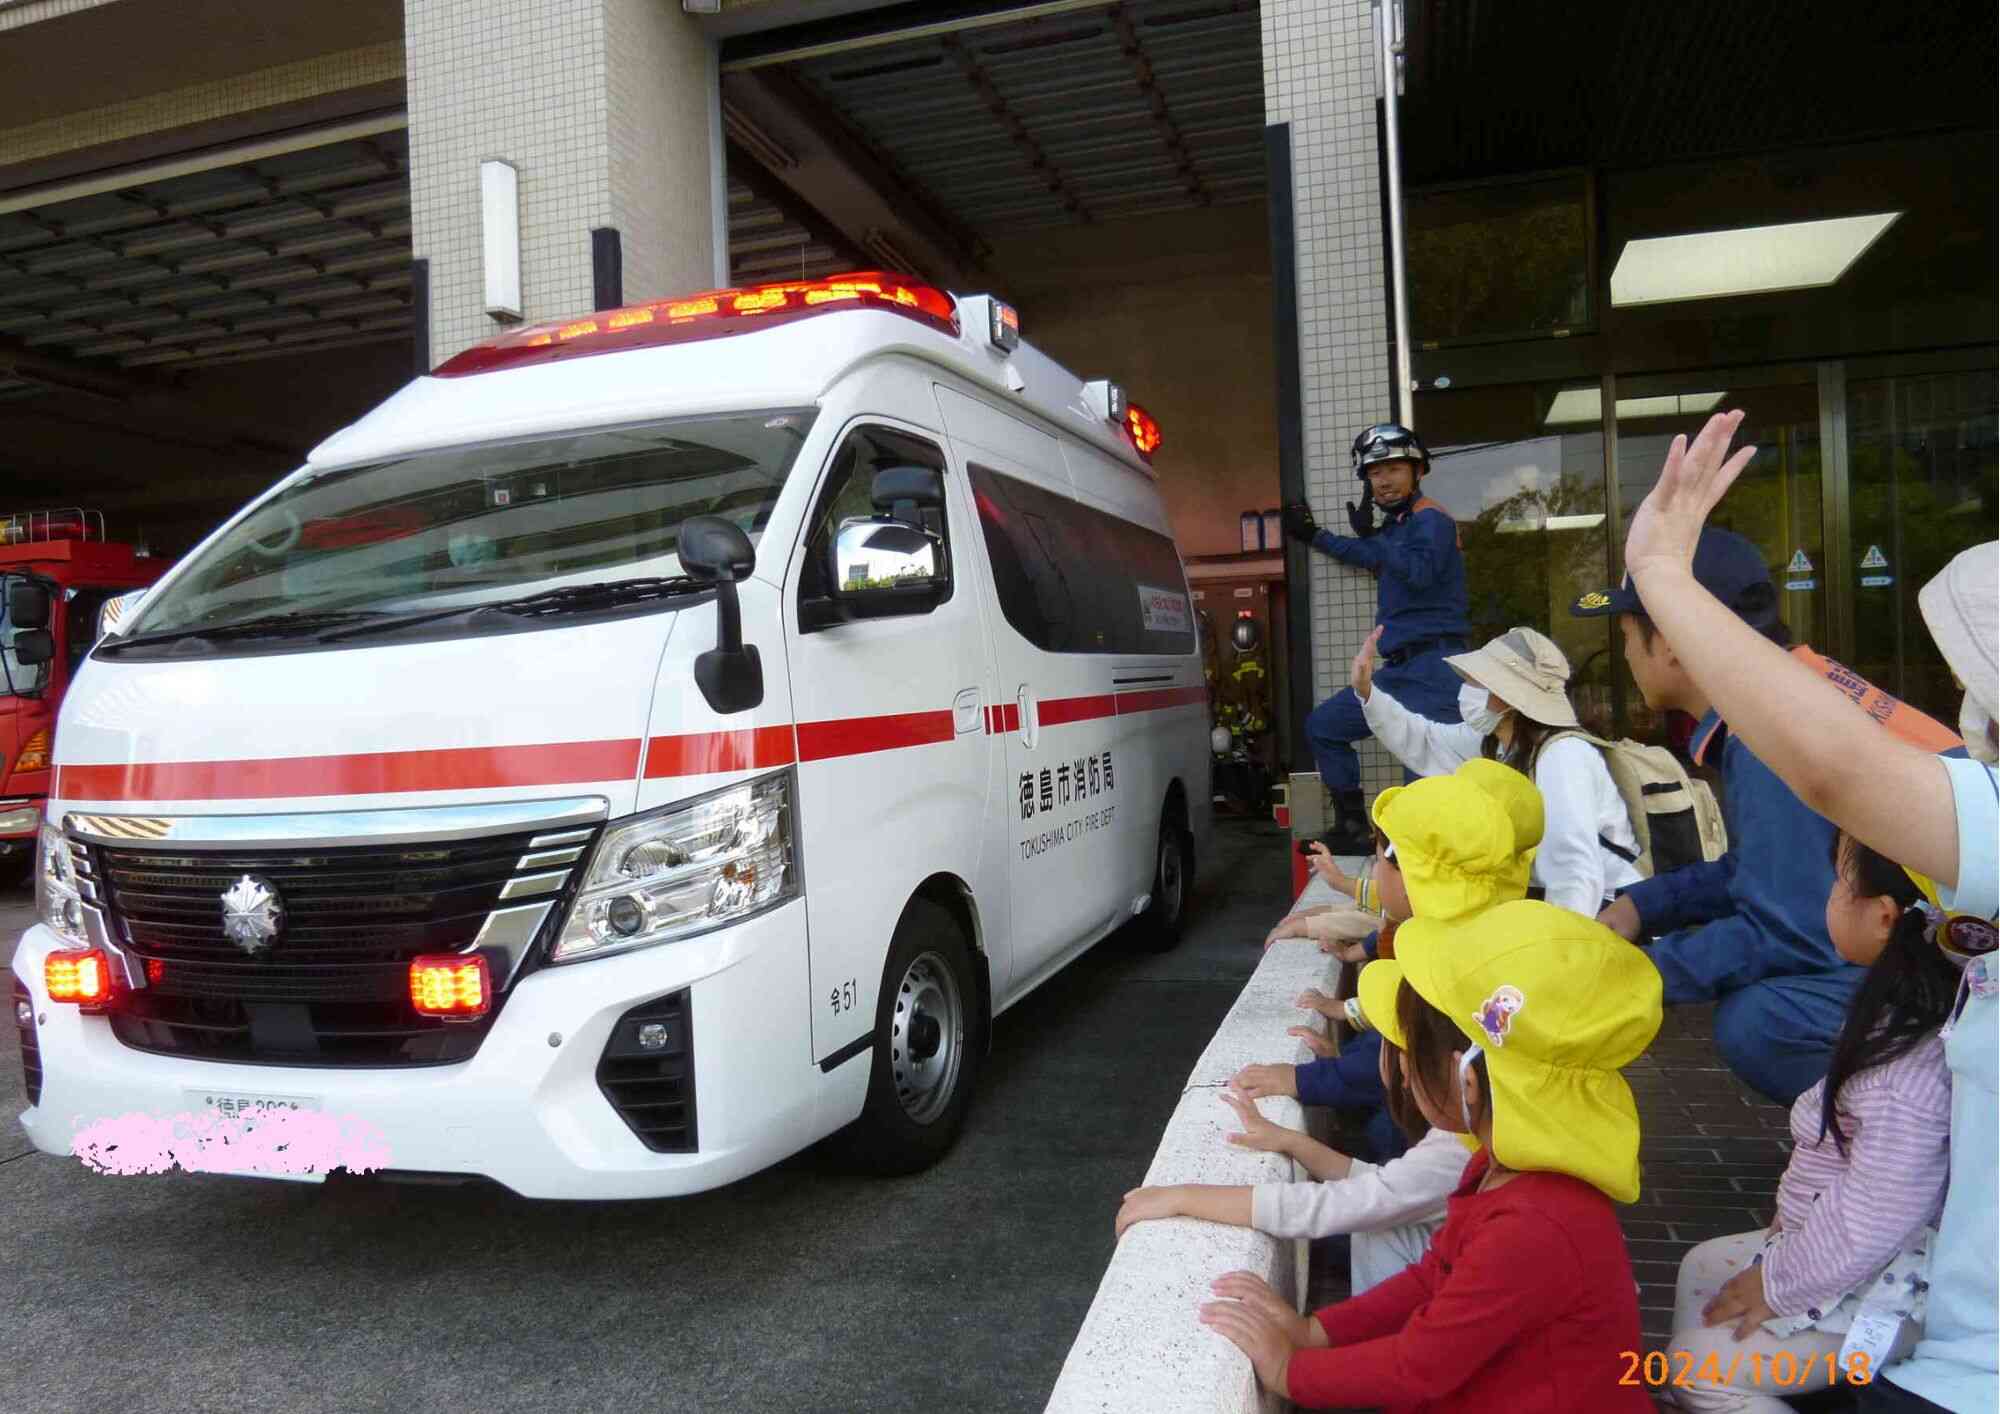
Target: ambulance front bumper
526,1110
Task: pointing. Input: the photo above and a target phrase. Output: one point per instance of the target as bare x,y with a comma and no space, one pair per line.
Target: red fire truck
57,569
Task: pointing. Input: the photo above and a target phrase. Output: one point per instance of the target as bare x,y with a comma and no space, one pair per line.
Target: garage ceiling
1088,115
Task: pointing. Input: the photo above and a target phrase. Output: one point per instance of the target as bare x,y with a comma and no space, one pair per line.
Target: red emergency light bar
711,314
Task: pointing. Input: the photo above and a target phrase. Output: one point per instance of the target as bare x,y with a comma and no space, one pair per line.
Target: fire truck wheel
926,1046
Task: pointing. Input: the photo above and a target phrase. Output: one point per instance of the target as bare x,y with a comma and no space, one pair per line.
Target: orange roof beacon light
451,986
711,314
1143,430
80,976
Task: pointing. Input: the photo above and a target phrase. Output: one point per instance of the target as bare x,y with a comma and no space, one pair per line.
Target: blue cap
1725,564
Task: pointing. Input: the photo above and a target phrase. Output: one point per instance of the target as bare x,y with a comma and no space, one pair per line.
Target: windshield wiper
281,625
571,598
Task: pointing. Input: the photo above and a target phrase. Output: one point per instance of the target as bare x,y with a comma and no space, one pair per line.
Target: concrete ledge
1141,1346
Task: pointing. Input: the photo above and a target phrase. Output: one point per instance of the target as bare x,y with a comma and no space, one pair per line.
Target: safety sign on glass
1795,585
1874,559
1163,610
1877,581
1800,564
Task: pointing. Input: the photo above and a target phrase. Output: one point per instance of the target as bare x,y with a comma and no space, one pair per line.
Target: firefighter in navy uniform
1419,602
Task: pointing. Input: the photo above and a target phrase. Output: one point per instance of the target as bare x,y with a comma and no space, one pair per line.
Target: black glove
1362,517
1299,522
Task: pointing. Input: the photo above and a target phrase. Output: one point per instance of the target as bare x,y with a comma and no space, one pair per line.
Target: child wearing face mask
1515,704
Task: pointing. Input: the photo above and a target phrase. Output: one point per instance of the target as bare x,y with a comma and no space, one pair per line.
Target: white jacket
1580,801
1372,1198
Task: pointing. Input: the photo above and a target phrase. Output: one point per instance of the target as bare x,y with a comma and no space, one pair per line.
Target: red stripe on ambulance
372,773
701,753
857,736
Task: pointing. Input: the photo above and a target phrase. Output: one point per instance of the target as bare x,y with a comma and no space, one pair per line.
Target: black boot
1351,833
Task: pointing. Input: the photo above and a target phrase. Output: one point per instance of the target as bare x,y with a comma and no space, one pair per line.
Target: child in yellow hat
1511,1026
1450,846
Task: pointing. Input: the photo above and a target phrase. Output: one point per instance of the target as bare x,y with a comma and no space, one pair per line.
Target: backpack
1674,817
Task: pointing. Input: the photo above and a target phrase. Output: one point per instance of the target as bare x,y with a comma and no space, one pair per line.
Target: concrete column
604,108
1320,76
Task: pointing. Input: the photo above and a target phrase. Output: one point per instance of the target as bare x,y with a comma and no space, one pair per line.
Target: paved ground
803,1288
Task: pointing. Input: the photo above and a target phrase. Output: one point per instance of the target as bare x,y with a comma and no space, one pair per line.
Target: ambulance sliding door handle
1030,724
965,713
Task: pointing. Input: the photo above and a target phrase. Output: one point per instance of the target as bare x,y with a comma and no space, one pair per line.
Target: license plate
243,1105
235,1104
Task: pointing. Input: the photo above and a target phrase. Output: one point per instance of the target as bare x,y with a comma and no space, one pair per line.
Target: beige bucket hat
1959,609
1526,670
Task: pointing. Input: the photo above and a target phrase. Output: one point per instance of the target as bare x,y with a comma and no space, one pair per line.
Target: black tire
1160,926
928,1034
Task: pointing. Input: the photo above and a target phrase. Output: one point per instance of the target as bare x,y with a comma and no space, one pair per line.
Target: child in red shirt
1510,1027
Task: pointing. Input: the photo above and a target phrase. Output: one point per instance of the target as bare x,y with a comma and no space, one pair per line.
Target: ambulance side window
1073,579
846,493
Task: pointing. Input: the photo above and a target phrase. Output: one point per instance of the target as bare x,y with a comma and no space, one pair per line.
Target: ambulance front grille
332,986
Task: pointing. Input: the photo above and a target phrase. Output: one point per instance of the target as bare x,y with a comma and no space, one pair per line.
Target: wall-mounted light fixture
500,233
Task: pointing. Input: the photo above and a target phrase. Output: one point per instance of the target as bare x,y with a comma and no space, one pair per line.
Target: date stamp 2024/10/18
1782,1370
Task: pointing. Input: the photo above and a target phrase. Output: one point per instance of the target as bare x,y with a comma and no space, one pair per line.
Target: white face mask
1977,729
1476,711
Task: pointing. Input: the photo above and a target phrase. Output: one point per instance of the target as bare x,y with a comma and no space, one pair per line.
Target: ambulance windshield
489,523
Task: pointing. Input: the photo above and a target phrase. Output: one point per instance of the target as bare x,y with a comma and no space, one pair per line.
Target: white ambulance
638,749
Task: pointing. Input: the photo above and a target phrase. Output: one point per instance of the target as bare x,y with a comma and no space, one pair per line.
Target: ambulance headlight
690,868
57,898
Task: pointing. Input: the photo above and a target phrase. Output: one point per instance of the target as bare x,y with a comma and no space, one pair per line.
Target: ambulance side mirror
716,551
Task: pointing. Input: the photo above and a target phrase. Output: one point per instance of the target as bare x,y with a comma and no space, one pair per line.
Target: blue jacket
1419,573
1760,910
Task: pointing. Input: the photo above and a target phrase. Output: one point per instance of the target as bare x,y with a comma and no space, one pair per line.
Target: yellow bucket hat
1457,838
1558,1004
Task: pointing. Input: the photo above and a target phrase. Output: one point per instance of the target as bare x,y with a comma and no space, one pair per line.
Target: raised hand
1361,672
1696,474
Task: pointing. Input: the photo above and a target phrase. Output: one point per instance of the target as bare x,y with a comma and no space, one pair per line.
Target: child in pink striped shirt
1865,1184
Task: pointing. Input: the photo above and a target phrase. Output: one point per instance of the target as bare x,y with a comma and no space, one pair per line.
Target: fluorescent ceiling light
1575,406
1526,523
1752,260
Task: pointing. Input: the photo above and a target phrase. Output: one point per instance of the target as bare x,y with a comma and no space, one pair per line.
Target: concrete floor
802,1288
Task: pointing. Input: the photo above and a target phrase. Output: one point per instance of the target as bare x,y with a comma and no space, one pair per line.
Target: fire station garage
225,232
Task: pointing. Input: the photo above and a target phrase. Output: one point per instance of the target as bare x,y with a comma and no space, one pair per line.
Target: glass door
1921,468
1777,503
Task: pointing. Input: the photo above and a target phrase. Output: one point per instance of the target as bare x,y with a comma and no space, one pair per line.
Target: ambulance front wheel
1173,873
926,1052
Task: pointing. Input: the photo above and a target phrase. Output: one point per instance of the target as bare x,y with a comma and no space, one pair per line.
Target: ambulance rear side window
1074,579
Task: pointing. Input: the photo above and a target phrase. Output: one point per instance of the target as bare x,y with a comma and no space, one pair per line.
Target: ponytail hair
1908,991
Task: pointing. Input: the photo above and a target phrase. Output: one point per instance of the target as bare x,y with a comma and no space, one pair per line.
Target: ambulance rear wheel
1173,874
926,1052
